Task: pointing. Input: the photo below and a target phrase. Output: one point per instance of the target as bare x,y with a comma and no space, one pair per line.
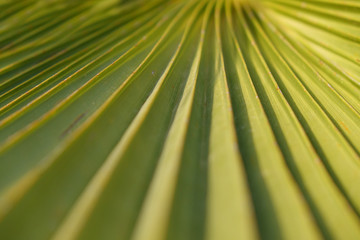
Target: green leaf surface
179,119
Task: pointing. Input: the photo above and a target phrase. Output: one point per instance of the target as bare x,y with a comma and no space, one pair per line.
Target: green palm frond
179,119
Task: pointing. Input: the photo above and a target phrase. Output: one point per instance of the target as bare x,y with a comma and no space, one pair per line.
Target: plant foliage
179,119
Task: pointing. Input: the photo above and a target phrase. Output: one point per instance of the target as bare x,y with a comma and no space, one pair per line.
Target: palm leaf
175,119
